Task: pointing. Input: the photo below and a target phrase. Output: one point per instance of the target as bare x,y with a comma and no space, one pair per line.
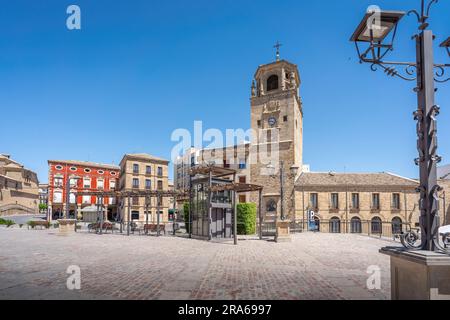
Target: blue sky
140,69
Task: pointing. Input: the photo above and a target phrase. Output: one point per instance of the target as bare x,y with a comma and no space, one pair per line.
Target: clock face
272,121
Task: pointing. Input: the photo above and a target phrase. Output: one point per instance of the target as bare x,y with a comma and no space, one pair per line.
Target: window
242,164
148,170
86,199
72,198
86,183
192,161
335,225
259,123
242,179
148,184
160,171
135,183
57,197
73,169
113,173
226,164
135,168
135,201
87,170
73,182
112,200
376,225
285,118
58,182
396,201
100,171
335,201
135,215
272,83
160,185
355,225
100,184
396,225
242,198
112,184
355,200
375,201
313,201
58,167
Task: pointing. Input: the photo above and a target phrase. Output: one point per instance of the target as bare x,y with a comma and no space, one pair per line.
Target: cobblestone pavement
33,265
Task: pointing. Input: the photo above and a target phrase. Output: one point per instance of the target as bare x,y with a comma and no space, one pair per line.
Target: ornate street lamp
446,44
373,32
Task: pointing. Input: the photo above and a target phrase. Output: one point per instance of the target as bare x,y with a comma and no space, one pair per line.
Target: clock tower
277,124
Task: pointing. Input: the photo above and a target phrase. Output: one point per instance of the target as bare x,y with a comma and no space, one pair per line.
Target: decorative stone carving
293,82
272,107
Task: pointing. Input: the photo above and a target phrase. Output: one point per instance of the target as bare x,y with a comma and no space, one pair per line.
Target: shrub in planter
31,224
246,218
9,223
55,225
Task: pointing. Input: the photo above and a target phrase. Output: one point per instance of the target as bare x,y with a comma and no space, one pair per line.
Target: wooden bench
105,227
42,224
154,228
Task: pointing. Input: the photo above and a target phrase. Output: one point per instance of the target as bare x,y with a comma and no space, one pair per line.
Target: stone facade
143,172
363,196
18,188
277,122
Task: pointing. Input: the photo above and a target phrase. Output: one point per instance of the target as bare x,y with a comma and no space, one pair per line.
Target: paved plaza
33,265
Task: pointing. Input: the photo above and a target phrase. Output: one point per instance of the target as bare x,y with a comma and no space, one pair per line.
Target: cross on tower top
277,46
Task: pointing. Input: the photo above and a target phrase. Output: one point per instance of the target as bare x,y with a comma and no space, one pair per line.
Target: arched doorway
335,225
397,225
317,224
355,225
376,225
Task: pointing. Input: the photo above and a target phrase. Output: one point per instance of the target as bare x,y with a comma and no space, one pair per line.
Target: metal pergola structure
128,194
214,172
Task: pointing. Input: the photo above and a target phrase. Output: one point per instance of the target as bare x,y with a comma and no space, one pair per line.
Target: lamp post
373,31
293,171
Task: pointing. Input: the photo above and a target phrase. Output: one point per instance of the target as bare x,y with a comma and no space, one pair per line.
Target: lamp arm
390,71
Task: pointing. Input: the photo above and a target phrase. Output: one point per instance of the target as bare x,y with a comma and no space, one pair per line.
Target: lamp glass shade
446,43
380,23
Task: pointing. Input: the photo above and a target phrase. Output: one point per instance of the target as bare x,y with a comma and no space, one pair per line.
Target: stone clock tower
277,123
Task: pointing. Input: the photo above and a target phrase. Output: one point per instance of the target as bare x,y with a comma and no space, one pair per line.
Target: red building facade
81,176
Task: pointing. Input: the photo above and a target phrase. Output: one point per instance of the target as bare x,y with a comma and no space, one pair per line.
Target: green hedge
246,218
186,216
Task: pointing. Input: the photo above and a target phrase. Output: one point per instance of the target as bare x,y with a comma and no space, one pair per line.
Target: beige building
144,172
19,192
234,157
355,202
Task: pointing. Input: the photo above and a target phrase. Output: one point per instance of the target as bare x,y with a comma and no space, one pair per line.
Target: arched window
271,206
396,225
272,83
355,225
335,225
376,225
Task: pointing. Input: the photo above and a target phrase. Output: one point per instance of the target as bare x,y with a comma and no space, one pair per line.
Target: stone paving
33,265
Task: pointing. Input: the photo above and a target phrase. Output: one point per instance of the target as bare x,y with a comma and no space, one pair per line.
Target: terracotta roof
145,156
353,179
86,164
444,172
